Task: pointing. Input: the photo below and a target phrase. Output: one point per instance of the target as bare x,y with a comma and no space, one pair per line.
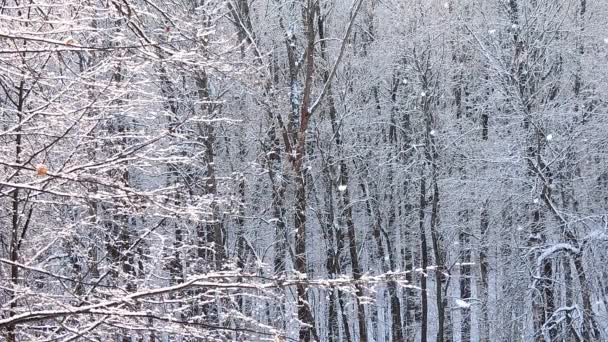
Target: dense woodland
306,170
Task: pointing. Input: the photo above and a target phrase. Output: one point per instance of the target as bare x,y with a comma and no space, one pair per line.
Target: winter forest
304,170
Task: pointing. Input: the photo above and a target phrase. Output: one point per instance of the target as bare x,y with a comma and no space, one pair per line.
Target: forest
304,170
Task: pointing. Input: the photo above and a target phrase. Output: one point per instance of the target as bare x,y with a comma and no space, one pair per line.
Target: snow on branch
547,252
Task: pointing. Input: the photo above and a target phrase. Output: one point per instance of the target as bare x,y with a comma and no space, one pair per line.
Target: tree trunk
307,323
424,262
482,283
465,275
16,233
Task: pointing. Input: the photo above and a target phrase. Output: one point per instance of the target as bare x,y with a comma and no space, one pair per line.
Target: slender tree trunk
352,249
334,242
439,260
431,160
482,283
465,276
424,262
396,315
215,229
590,330
16,233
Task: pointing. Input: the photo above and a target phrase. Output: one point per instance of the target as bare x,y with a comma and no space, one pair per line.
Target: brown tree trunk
307,323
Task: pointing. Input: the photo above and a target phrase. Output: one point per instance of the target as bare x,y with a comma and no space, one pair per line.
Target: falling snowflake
341,187
462,304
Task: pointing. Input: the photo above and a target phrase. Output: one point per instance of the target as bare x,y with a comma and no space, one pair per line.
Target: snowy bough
112,208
